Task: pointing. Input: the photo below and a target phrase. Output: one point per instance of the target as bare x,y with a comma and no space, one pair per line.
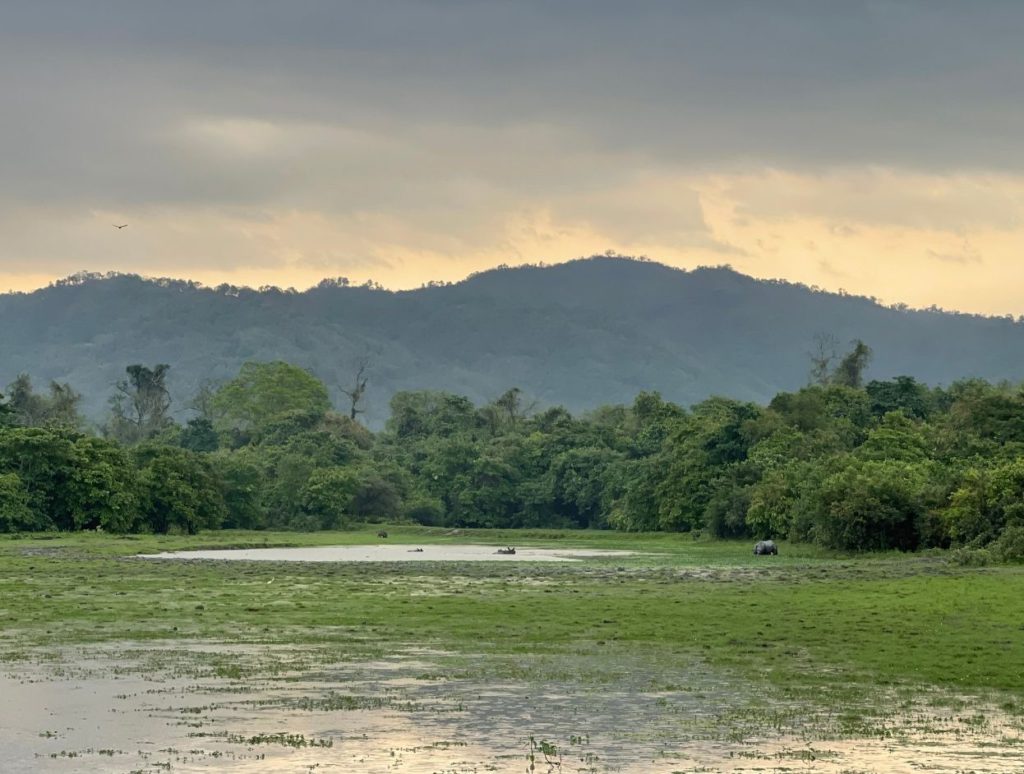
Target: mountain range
580,334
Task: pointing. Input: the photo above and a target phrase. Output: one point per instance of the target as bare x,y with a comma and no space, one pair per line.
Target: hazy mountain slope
579,334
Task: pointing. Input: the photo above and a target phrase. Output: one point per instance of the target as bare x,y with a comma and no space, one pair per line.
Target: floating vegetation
285,740
633,666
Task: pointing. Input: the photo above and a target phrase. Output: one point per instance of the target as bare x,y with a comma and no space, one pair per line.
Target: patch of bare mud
394,553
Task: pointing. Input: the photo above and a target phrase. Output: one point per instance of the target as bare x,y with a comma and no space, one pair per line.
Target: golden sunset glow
411,144
901,237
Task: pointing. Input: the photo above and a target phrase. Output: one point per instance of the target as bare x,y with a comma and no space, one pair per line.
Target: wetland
667,655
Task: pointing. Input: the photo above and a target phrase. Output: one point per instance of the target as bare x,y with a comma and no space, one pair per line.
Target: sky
866,145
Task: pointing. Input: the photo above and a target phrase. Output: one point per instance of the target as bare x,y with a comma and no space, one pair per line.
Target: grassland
830,634
889,619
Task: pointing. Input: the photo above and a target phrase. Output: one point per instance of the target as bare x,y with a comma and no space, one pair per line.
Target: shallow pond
148,707
395,553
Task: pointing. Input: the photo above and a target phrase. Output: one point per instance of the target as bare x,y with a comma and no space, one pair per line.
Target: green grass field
686,656
804,621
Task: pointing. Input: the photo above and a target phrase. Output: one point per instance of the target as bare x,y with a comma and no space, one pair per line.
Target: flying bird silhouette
119,227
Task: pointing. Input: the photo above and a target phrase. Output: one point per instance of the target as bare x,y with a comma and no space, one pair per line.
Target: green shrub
971,557
1010,546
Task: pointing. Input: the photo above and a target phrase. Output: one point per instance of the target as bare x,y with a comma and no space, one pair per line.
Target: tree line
891,464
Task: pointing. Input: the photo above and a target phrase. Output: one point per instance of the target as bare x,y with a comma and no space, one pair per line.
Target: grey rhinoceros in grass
766,547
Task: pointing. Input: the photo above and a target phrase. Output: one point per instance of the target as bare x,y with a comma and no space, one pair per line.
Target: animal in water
766,547
119,227
508,551
382,533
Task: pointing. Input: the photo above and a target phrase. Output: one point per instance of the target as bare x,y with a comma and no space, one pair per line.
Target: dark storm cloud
415,140
98,95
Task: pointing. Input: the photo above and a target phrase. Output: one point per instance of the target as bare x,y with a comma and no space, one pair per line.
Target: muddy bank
395,553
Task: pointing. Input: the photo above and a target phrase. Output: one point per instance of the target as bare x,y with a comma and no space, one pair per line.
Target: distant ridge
581,334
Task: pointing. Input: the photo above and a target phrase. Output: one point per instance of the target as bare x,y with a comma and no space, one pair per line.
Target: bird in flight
119,227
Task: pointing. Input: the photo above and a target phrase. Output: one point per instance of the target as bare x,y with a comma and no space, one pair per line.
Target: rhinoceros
766,547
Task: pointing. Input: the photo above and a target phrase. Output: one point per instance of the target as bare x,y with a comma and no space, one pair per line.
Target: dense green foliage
579,335
264,395
890,465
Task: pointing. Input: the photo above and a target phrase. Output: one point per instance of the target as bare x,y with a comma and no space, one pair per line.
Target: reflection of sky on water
142,707
394,553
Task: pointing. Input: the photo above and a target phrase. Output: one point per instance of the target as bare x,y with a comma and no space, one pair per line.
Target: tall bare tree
202,401
358,390
822,357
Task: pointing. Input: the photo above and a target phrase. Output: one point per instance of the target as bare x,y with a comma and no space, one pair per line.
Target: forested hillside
581,334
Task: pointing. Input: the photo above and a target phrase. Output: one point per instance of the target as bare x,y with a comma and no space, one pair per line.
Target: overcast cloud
856,143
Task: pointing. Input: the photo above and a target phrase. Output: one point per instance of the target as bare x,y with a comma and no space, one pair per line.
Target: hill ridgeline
579,334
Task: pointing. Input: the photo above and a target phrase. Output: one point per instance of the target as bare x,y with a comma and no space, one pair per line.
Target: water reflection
394,553
249,708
